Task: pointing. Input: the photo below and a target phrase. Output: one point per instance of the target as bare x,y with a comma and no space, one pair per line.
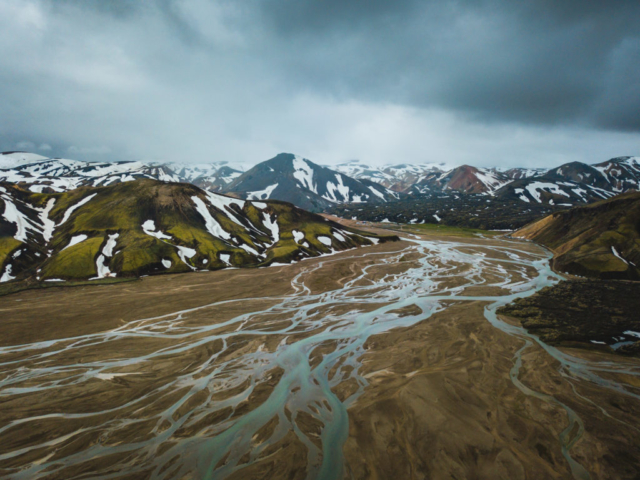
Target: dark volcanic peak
297,180
577,172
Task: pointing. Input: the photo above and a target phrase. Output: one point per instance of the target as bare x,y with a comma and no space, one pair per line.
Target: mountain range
570,183
308,185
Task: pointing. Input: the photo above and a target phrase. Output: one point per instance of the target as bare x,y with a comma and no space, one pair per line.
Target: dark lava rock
582,312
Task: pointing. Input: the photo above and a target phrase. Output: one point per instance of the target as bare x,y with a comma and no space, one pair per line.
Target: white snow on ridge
222,201
76,239
521,195
377,193
273,227
304,173
225,258
615,252
48,225
324,240
341,188
601,191
580,192
104,169
339,237
72,208
111,243
185,253
533,189
298,236
250,250
603,171
213,227
64,175
102,269
149,227
262,194
223,204
6,276
22,222
12,160
259,205
489,180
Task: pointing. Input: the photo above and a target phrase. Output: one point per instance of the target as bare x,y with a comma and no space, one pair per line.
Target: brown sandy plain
320,369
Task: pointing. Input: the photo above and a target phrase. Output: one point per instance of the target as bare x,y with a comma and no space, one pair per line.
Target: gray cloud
539,62
489,82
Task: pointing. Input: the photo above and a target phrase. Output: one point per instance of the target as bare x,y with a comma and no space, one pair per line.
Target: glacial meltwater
202,398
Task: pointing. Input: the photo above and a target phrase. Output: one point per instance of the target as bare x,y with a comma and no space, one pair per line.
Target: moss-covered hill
146,226
601,240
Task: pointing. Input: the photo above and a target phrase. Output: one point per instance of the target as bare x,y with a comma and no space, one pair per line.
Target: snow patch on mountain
76,239
262,194
324,240
73,208
102,269
303,172
535,187
273,227
298,236
149,227
211,224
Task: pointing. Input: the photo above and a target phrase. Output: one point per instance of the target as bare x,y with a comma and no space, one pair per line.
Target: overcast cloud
493,82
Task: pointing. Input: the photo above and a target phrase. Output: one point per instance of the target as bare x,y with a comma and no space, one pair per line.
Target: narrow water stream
216,449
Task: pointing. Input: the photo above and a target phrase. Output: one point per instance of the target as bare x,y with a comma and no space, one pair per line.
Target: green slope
601,240
145,227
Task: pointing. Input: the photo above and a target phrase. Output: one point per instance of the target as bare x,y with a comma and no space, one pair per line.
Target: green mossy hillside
145,227
601,240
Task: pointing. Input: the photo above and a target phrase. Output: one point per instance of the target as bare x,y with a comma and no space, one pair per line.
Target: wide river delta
385,362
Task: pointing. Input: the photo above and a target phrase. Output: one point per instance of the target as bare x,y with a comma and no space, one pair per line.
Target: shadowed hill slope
601,240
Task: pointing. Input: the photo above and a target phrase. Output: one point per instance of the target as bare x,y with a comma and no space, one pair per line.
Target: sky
532,83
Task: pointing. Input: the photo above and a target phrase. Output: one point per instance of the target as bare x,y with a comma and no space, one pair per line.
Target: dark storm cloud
536,61
536,82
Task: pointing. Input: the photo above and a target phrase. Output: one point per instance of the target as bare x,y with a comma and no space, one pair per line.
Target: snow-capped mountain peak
300,181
